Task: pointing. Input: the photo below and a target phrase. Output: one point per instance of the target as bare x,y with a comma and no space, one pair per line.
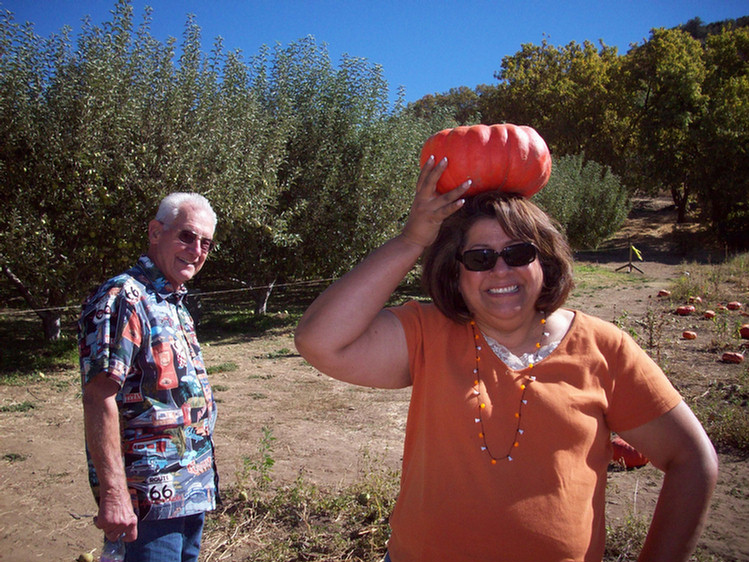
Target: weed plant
714,283
263,522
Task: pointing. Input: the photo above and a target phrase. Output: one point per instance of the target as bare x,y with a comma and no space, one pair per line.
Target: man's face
178,259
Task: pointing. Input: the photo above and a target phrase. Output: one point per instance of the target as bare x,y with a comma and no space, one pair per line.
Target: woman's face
503,297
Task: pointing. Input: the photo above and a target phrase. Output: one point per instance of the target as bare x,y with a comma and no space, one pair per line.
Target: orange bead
517,415
516,444
522,387
483,406
494,461
481,435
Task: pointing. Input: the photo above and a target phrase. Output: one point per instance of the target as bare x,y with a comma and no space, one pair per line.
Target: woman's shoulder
587,325
422,312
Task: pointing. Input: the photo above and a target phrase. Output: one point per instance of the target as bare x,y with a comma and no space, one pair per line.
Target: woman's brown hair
521,220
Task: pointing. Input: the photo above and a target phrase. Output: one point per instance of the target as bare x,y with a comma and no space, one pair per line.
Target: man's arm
103,438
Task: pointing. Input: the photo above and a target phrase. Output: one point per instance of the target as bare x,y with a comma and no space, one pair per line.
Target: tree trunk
50,318
261,298
681,199
51,325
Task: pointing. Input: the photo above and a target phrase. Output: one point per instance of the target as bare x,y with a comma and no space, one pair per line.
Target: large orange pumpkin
505,157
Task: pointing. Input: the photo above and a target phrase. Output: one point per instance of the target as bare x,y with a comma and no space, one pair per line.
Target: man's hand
116,517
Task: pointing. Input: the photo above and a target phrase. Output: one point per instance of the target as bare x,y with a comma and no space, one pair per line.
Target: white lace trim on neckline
522,362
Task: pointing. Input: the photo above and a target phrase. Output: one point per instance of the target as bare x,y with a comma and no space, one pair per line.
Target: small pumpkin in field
695,300
732,357
664,293
626,454
506,157
709,314
689,335
735,305
685,310
744,331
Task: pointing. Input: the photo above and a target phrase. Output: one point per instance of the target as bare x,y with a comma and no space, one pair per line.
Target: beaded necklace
482,405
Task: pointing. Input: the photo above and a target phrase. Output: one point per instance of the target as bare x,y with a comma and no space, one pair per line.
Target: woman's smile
503,298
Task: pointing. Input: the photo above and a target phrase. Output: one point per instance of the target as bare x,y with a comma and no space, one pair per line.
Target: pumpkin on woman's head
504,157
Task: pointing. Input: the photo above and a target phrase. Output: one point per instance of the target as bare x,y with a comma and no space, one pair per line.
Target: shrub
586,198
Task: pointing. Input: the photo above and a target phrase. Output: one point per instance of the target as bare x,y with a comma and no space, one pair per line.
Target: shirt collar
159,282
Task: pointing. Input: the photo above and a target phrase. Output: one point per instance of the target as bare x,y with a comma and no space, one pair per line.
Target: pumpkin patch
504,157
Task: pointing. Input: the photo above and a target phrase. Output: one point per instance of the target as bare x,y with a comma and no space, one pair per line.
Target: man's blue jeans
168,540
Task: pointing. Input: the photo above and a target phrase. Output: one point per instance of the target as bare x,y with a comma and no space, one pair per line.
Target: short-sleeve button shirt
137,329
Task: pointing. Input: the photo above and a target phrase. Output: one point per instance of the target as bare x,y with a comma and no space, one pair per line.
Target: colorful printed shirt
137,330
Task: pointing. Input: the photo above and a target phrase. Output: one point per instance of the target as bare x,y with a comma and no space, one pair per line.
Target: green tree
461,103
586,198
567,93
68,191
107,130
667,74
346,161
722,165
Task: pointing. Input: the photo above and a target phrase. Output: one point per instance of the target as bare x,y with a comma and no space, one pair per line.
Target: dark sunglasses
188,238
485,259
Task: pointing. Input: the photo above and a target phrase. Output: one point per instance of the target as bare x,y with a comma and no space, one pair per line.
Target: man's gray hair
171,204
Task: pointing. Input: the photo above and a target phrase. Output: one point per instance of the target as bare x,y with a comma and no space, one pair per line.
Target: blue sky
426,47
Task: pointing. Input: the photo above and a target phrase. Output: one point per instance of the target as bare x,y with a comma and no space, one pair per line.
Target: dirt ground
326,430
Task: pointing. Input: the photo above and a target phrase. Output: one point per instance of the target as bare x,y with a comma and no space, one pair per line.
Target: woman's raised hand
429,208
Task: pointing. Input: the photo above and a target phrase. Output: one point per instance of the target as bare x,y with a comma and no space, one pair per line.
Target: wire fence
217,294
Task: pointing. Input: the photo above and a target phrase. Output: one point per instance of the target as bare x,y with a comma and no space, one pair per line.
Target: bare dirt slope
325,430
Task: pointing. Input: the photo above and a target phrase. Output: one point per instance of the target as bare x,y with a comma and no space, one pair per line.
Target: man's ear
155,228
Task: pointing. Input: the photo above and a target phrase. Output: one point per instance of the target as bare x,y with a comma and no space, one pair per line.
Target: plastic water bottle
113,551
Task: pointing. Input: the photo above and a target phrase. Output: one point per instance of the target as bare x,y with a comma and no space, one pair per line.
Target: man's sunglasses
188,238
485,259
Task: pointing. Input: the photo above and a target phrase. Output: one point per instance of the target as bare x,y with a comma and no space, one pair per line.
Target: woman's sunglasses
485,259
188,238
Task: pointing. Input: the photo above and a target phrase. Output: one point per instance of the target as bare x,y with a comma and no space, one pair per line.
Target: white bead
477,420
525,401
483,448
509,458
521,431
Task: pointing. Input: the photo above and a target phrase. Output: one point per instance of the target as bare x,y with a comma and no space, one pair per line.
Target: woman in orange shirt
514,397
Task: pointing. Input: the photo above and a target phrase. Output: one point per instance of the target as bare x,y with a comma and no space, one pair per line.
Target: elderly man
148,407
